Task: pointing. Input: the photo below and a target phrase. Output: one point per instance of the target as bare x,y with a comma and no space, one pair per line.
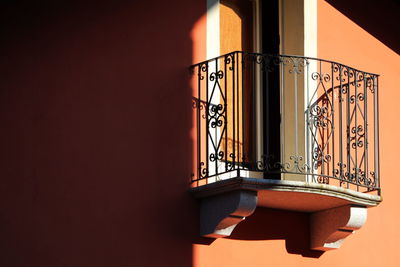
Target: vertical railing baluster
267,116
365,130
216,143
321,147
356,128
333,122
234,153
226,111
282,111
207,104
296,100
341,174
348,127
242,109
252,125
376,134
199,124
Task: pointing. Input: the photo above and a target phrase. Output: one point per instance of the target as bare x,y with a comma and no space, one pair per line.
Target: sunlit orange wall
350,44
376,244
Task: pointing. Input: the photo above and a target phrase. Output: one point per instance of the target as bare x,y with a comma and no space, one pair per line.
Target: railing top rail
288,56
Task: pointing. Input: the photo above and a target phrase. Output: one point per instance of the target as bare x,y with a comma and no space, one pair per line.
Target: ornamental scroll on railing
290,117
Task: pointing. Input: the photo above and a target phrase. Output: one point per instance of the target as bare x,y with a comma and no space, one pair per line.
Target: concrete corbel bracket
220,214
329,228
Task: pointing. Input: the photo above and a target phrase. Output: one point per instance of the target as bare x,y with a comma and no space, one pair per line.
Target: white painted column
213,35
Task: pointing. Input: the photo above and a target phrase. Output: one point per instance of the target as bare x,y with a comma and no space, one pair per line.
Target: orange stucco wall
342,40
352,45
96,142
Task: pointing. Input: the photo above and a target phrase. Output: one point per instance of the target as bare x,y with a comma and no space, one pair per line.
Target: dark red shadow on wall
95,152
379,18
272,224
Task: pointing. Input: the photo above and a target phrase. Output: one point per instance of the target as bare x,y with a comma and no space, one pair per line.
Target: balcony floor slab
290,195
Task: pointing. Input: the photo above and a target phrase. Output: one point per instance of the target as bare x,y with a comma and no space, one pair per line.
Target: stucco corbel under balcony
335,212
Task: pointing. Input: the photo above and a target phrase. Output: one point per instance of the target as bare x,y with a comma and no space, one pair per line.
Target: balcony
285,132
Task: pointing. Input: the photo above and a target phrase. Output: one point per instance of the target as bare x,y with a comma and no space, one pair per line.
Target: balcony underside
335,212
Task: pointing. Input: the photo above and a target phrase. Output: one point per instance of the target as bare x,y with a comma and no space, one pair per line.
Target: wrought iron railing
273,116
